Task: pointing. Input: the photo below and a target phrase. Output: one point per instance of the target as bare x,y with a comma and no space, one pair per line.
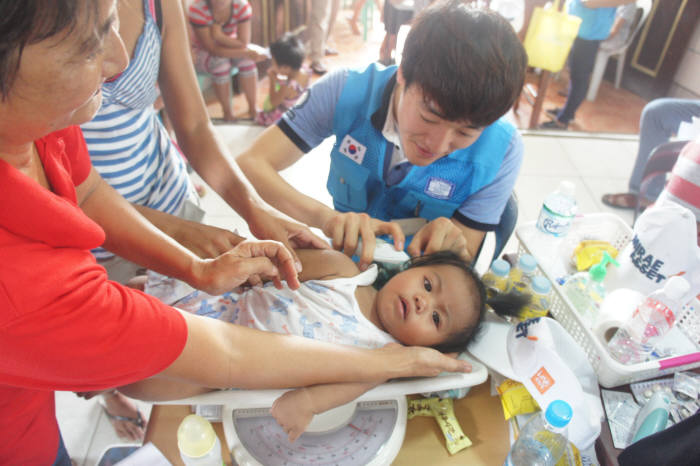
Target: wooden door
656,53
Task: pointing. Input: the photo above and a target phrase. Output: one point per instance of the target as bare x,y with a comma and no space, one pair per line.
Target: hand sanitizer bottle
586,291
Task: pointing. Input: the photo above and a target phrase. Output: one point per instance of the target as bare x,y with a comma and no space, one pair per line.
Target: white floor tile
596,157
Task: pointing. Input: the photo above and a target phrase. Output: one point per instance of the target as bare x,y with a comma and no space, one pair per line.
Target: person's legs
62,457
581,62
222,90
317,34
659,121
248,81
356,9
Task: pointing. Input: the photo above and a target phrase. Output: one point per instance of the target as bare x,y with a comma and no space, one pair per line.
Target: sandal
625,201
553,124
137,421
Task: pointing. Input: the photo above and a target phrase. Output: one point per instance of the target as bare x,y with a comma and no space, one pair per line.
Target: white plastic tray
552,264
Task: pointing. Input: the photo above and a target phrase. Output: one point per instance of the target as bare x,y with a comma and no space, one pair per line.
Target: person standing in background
597,17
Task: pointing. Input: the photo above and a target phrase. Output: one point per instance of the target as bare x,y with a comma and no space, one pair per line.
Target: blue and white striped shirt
128,144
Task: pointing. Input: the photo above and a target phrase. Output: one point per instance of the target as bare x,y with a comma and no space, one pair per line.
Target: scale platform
368,431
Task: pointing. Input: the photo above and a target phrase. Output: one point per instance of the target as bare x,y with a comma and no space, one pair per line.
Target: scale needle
356,428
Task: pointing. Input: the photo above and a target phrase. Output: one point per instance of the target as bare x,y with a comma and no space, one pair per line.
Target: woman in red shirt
63,324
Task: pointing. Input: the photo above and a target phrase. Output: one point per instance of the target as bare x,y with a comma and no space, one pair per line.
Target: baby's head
288,52
437,300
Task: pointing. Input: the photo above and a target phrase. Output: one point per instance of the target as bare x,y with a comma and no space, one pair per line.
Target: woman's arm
605,3
132,236
223,355
220,45
203,147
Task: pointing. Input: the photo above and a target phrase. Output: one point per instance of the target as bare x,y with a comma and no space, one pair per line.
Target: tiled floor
597,163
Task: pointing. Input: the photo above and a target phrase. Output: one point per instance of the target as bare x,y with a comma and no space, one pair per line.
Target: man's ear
399,77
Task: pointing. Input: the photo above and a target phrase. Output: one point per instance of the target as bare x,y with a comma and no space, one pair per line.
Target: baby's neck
367,300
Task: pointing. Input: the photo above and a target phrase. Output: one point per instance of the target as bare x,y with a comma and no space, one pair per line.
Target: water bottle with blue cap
543,440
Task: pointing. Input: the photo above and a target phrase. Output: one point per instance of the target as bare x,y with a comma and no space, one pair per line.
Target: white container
610,372
198,443
543,440
655,316
558,210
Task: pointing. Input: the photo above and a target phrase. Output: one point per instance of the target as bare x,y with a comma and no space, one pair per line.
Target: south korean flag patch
353,149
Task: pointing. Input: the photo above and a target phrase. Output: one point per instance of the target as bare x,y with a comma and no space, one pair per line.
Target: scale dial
372,436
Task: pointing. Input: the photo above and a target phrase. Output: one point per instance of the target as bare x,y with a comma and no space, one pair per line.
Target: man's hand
293,411
265,225
345,229
439,235
249,261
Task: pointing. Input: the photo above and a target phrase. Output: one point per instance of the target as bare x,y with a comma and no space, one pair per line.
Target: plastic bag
549,37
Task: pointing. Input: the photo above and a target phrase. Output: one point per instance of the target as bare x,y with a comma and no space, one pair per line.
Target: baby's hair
508,304
289,51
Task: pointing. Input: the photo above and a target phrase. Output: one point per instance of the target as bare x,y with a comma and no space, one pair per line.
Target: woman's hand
345,229
249,262
440,234
293,411
204,240
416,361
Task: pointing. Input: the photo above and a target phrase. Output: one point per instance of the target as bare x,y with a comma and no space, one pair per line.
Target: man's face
425,135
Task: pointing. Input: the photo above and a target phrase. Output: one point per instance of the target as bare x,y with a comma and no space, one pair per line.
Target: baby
436,300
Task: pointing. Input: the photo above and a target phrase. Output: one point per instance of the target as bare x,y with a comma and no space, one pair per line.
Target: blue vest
436,190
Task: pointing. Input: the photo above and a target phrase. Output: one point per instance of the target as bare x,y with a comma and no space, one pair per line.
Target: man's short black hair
25,22
468,61
289,51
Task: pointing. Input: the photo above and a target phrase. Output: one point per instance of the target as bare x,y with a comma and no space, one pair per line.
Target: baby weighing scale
367,431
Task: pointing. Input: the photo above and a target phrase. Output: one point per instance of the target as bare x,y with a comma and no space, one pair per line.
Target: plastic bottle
496,279
558,210
586,290
198,443
541,299
521,275
543,439
637,337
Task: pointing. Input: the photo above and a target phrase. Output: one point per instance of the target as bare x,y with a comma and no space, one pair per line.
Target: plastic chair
505,227
601,59
661,161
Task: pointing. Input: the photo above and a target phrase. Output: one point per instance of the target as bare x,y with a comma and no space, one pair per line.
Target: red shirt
63,324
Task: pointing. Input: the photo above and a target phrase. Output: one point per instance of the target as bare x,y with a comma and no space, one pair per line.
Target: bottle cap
527,263
500,267
598,271
195,436
567,188
541,285
558,413
676,287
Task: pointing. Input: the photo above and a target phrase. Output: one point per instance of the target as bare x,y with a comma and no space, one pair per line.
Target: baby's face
426,305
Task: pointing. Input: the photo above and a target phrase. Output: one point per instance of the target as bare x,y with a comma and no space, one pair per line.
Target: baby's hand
293,411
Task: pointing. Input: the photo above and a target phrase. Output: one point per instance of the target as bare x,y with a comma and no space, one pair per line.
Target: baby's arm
319,264
294,410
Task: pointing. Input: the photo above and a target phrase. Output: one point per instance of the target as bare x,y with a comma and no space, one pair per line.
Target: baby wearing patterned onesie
436,300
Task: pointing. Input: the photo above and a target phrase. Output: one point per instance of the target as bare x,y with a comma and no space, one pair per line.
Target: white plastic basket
610,373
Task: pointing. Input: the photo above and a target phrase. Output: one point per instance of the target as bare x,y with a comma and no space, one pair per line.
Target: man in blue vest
421,140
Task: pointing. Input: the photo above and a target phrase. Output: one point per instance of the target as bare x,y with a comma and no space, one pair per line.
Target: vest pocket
419,205
347,183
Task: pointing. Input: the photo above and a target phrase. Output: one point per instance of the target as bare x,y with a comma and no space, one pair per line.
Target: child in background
288,54
436,300
220,42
